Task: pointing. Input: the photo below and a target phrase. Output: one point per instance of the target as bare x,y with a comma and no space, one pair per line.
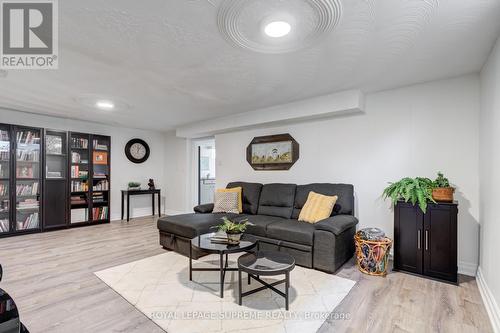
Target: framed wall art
273,152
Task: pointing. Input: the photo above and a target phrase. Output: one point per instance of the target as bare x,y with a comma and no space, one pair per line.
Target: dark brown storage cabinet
426,244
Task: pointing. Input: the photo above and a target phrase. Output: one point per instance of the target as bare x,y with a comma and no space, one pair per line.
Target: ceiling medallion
243,23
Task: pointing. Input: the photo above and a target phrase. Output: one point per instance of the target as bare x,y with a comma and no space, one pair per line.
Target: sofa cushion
292,231
250,195
318,207
277,200
226,202
260,224
345,193
191,225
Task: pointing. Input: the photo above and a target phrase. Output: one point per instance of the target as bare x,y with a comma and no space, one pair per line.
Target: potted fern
233,229
415,190
442,190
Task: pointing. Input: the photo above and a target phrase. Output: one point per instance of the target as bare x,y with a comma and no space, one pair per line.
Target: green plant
441,181
415,190
134,184
233,227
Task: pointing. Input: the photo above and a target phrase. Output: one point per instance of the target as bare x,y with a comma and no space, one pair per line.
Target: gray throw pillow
225,202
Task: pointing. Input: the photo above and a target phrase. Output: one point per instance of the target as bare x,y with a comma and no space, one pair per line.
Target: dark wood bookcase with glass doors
90,172
52,179
21,179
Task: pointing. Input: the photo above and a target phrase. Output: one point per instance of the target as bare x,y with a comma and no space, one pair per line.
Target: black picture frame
129,155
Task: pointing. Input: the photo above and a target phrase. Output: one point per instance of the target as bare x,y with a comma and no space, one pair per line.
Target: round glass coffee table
266,263
204,242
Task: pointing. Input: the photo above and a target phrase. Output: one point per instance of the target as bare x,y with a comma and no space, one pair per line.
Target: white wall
122,170
411,131
489,161
177,172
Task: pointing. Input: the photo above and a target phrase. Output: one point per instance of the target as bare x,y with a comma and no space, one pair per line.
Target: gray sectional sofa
274,210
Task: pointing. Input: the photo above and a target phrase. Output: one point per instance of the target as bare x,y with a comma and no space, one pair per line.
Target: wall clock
137,150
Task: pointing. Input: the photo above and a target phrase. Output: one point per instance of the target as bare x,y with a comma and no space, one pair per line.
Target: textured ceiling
169,64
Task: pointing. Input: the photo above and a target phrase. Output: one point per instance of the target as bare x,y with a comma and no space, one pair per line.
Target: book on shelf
27,189
25,155
30,222
4,135
79,186
4,171
102,185
99,175
4,205
28,137
78,199
75,157
100,157
24,171
4,225
4,189
79,215
99,146
77,173
79,143
98,197
4,150
100,213
28,204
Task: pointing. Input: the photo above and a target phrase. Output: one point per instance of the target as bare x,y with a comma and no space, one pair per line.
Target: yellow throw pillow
317,207
237,190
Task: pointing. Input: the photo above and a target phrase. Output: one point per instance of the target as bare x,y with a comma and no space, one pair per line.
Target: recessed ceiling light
105,105
277,29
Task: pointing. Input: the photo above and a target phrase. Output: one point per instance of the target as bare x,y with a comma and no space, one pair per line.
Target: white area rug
159,287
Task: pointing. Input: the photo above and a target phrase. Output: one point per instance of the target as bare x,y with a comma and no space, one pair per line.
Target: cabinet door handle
426,240
419,237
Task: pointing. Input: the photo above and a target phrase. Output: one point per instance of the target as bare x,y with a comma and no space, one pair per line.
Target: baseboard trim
135,212
489,301
467,268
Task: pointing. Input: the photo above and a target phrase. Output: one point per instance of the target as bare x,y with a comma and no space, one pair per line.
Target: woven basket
443,194
372,256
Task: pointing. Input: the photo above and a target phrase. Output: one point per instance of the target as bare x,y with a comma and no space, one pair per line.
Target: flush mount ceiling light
277,29
100,102
105,105
277,26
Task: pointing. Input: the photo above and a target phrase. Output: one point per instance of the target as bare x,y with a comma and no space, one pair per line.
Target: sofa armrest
336,224
204,209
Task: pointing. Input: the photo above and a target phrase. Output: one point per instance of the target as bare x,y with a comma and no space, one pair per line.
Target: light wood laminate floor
51,278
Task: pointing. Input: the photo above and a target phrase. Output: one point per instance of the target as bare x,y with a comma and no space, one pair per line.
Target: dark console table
128,193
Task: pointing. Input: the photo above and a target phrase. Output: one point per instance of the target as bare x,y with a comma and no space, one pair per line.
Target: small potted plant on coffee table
442,191
233,229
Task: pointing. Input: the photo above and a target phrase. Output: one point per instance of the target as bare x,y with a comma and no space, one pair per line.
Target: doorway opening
205,151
